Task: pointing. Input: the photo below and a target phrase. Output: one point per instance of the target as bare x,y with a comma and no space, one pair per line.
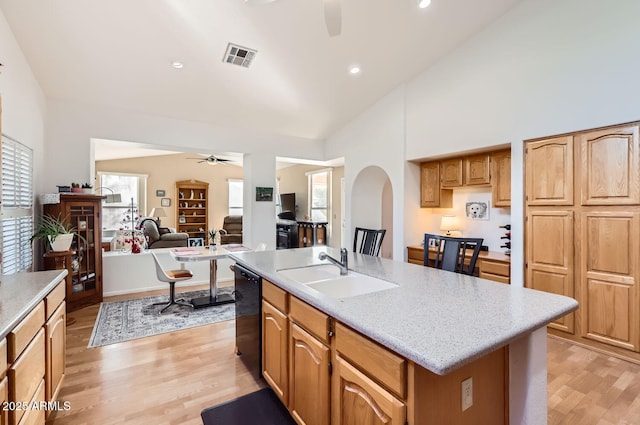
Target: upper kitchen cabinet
452,170
476,170
549,171
609,166
501,178
431,195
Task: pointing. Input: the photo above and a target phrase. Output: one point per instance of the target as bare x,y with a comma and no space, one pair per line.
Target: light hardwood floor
163,379
170,378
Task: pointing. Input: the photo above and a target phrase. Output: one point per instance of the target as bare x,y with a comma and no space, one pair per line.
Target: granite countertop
439,320
21,292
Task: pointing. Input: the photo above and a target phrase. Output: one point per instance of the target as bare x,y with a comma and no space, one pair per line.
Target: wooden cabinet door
431,194
549,254
429,184
359,400
451,172
609,294
274,350
501,178
476,170
55,343
549,171
308,378
609,166
4,398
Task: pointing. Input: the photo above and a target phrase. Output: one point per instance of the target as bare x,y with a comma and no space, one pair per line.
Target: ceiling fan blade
333,17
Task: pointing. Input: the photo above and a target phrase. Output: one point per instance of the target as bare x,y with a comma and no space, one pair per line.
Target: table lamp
157,212
449,223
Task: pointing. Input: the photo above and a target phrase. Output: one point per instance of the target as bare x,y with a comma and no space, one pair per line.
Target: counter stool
171,277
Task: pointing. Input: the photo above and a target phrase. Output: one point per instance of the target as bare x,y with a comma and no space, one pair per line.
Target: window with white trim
235,196
17,206
319,194
132,189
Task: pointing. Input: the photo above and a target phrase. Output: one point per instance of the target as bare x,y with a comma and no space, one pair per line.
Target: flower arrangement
214,236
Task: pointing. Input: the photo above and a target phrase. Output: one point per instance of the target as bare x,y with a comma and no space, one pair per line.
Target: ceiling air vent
239,55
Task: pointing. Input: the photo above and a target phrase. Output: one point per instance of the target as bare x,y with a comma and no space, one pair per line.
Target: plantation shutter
17,206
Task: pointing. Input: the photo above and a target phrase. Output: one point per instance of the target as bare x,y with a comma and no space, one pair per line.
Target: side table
60,260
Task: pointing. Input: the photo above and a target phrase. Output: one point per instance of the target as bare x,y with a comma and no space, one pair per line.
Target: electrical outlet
467,393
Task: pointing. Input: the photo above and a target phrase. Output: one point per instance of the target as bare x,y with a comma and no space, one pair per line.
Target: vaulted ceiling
118,53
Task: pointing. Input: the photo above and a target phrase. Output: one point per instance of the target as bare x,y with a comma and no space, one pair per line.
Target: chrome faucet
343,264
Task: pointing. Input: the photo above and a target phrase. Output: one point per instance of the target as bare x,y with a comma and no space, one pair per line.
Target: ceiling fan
332,14
212,160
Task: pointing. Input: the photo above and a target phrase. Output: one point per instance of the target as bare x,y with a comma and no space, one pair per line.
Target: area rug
120,321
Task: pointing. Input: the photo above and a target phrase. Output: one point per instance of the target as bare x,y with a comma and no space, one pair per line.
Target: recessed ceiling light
177,65
423,3
354,70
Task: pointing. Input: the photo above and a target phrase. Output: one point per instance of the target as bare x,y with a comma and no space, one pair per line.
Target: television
288,206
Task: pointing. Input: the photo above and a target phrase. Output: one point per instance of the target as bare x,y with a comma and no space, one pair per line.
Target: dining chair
171,277
368,241
449,253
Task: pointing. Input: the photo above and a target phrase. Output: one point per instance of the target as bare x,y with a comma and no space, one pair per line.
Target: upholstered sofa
232,225
161,237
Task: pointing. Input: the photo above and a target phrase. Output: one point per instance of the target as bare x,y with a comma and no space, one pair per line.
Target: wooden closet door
609,166
550,256
609,263
549,171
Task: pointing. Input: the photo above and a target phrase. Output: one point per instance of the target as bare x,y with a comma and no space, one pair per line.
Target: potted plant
214,237
86,187
75,188
57,234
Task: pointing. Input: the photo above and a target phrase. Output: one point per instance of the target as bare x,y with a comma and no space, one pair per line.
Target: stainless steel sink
327,280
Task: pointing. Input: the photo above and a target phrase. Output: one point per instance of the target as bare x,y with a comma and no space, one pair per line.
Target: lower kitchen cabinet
334,374
275,344
309,378
55,330
359,400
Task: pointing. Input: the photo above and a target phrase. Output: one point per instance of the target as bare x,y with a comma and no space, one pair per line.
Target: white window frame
310,208
16,212
235,209
139,206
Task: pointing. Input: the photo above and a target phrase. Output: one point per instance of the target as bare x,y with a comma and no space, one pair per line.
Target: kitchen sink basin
312,273
351,285
327,280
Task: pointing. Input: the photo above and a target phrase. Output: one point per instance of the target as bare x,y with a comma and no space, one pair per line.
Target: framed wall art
264,194
165,202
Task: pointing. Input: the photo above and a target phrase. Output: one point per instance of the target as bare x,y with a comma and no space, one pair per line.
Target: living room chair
232,225
368,241
171,277
450,253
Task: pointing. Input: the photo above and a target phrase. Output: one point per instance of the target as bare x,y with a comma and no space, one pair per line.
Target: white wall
375,138
23,103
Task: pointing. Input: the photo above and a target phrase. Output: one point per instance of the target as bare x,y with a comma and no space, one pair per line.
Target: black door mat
262,407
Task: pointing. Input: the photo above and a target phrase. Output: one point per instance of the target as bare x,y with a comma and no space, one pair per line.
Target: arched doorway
372,205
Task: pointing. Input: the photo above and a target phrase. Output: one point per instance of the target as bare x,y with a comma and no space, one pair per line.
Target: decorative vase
213,247
62,242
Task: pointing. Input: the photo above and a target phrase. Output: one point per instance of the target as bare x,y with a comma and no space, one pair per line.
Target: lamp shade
157,212
449,223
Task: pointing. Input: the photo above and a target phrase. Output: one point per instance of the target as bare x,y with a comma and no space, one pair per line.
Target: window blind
16,212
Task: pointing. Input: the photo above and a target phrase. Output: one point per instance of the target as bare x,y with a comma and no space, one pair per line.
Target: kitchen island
440,322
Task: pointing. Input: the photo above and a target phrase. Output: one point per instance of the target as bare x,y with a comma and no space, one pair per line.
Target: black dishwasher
248,294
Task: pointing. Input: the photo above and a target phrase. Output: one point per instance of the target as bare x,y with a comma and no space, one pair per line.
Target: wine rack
506,243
